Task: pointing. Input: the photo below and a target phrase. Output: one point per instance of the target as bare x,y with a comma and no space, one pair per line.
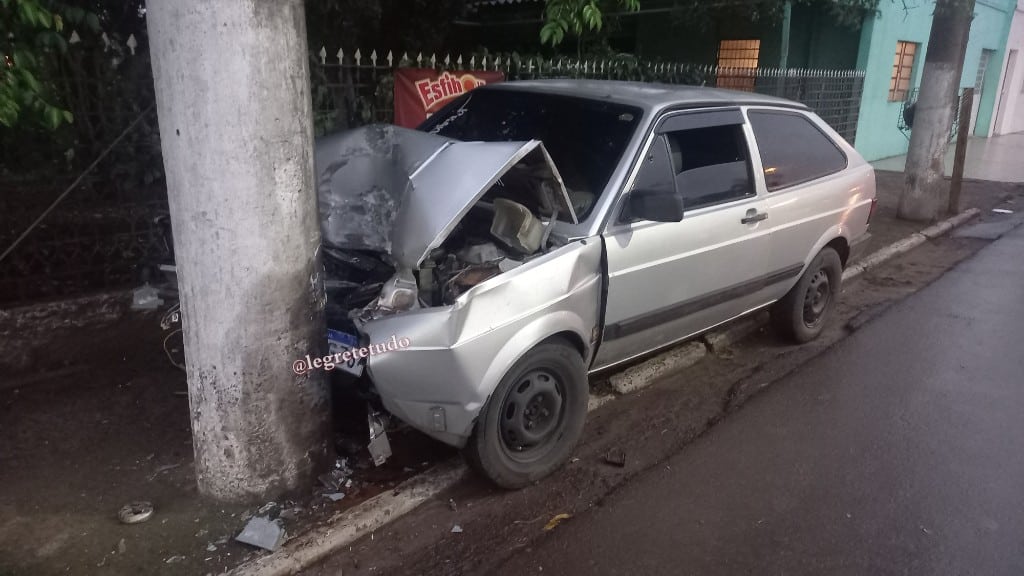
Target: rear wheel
801,314
533,419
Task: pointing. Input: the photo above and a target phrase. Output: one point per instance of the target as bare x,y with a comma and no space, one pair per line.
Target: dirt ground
93,415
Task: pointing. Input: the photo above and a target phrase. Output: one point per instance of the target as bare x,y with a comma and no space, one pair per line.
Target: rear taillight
871,213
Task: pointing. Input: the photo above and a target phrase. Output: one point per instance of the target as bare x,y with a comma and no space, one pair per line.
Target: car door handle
753,216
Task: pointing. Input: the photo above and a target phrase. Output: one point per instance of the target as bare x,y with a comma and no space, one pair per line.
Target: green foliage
582,17
30,29
578,17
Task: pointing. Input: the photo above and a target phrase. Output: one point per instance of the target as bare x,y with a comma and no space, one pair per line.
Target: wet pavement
997,158
896,452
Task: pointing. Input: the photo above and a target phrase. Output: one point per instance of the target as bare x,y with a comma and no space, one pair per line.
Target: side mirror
654,205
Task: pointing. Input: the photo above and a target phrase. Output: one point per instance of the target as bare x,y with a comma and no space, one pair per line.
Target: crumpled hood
400,191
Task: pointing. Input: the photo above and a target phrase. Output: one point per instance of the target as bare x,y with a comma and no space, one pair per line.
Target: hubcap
531,412
817,298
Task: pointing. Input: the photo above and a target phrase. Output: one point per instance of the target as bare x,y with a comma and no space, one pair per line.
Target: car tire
533,419
801,314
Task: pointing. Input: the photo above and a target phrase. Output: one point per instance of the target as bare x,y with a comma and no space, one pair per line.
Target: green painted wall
989,30
877,133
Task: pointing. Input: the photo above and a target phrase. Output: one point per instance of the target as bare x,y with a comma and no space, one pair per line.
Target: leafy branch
577,17
29,29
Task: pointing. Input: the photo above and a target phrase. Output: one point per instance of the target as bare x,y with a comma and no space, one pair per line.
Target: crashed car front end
449,247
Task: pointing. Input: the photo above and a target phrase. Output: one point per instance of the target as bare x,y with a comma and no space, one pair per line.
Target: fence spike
132,43
433,60
359,57
497,62
458,61
373,57
419,60
472,62
75,38
391,59
405,58
340,56
447,60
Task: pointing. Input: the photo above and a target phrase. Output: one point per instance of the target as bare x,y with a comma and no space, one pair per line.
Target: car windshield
585,138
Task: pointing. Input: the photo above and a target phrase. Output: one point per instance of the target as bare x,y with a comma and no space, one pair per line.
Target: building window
739,59
902,71
979,79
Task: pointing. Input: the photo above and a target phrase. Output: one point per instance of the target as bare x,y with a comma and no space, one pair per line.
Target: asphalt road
900,451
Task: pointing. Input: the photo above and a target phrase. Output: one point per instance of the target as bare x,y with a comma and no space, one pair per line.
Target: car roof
648,95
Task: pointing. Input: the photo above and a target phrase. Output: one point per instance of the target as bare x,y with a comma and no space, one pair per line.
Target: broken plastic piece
456,529
335,496
379,446
262,533
135,512
1002,211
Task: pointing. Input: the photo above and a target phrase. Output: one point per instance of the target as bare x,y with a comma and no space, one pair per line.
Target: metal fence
350,90
100,235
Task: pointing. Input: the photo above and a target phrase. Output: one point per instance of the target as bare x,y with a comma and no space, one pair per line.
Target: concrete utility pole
935,108
232,87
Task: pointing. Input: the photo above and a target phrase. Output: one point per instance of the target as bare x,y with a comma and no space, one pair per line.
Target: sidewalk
1000,159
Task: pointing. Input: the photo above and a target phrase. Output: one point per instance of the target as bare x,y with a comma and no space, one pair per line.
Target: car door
670,280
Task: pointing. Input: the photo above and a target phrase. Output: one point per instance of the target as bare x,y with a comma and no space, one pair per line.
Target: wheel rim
817,298
531,414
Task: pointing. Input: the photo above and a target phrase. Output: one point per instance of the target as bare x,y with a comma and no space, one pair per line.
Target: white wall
1009,112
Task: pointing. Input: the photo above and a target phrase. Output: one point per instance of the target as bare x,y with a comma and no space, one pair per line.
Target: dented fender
458,354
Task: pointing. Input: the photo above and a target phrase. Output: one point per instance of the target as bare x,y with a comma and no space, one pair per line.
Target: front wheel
533,419
801,314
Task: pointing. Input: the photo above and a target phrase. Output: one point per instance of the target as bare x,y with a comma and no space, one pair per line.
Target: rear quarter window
793,149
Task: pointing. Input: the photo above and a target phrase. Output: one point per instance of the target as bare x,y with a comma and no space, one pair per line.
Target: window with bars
737,63
902,71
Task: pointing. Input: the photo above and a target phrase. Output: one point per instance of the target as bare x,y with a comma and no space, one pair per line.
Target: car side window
711,164
793,150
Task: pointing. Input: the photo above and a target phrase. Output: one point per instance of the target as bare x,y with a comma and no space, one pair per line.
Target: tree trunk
232,87
935,109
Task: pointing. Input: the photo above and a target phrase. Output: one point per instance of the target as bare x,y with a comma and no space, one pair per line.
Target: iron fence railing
350,90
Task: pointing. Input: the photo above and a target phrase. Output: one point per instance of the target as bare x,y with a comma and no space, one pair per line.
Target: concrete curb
354,523
909,243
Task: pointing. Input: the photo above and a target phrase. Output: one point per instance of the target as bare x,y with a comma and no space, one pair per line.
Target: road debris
262,533
135,512
1002,211
146,297
121,546
334,480
335,496
456,529
211,548
556,520
452,505
615,457
379,446
175,559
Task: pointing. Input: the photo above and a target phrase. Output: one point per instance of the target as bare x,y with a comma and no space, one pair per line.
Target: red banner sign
419,92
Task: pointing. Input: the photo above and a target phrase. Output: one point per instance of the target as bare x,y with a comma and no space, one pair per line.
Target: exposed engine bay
509,224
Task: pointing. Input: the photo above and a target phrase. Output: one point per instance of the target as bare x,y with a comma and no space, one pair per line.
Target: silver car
533,232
